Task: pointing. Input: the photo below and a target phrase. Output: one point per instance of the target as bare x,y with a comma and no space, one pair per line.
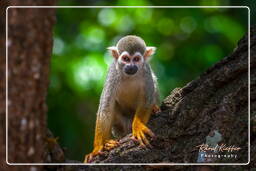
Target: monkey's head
130,54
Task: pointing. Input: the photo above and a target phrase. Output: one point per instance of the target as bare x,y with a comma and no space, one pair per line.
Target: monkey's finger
87,158
141,140
112,142
134,138
149,132
110,146
98,153
156,109
90,156
145,140
90,159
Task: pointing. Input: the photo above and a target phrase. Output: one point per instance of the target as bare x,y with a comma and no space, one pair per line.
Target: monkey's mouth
131,70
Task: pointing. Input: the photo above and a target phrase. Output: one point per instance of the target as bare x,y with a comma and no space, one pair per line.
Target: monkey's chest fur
128,95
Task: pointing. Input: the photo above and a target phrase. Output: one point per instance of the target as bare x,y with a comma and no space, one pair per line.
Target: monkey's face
130,54
130,64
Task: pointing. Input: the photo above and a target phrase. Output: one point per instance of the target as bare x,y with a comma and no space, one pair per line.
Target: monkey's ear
150,50
114,51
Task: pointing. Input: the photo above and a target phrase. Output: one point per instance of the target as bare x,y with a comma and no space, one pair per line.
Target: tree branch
217,100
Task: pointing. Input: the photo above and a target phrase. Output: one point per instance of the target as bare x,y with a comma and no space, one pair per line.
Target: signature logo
218,148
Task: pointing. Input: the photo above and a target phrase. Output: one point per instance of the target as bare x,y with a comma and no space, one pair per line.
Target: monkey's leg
102,138
98,142
139,128
102,133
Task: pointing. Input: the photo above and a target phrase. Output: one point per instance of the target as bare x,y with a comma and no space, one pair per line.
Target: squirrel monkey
130,94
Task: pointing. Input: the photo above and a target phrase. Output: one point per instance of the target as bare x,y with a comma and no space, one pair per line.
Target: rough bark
217,100
29,50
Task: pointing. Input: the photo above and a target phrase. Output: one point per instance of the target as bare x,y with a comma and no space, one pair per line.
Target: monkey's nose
130,70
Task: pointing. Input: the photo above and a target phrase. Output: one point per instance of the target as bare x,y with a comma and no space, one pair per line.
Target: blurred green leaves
87,73
225,25
188,42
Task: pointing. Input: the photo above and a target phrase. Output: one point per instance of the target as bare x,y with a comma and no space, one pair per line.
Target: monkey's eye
126,59
136,59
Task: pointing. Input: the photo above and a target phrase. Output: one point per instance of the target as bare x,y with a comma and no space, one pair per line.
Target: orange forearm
139,128
143,114
98,137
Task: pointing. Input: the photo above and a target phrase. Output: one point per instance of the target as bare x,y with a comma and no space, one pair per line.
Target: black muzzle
130,69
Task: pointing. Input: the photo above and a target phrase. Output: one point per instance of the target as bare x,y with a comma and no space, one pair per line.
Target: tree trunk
29,50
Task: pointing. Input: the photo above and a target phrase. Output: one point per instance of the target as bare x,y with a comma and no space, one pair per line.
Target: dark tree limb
217,100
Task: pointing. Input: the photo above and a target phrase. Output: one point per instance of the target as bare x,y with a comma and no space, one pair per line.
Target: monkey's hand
156,109
97,150
139,129
110,144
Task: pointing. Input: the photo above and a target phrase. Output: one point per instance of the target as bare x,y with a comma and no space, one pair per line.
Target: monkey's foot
110,144
96,151
138,133
156,109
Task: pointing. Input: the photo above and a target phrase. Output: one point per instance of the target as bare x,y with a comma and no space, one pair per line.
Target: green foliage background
188,41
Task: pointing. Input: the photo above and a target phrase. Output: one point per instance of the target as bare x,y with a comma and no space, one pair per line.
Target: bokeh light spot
107,16
165,26
94,38
88,72
188,24
143,15
58,46
125,24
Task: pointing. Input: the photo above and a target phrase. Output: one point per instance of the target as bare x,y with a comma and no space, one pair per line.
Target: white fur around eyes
125,53
139,54
122,54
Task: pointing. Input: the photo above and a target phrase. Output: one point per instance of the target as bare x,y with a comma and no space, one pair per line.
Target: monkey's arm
156,107
105,116
147,103
139,128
